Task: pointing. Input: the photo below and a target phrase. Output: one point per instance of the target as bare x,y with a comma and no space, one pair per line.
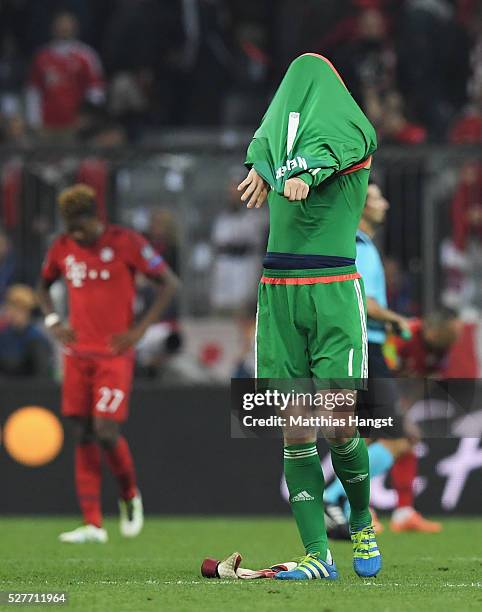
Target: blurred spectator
138,35
461,254
467,129
236,238
7,264
201,63
473,22
162,233
209,62
129,100
468,126
367,63
14,131
433,62
64,75
368,66
392,125
311,25
96,127
138,41
247,99
467,206
169,62
24,350
164,339
12,70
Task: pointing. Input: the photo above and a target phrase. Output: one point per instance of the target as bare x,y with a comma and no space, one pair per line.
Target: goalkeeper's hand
255,190
296,189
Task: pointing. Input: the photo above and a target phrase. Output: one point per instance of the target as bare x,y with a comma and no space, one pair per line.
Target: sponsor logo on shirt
77,272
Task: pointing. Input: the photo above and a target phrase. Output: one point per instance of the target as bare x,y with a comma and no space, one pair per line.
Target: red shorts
97,386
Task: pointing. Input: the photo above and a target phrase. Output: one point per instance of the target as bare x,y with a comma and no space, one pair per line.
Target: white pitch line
451,558
300,584
216,582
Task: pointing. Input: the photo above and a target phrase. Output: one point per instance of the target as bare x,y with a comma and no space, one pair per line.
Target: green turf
160,569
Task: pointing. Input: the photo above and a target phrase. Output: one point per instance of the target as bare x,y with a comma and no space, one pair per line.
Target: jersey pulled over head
313,125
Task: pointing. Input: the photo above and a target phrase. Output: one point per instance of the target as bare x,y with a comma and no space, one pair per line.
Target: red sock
88,477
119,460
403,474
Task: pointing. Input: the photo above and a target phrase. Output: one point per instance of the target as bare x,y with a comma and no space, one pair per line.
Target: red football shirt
65,73
100,280
416,358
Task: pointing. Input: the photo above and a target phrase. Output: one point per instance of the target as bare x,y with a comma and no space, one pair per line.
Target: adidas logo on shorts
302,496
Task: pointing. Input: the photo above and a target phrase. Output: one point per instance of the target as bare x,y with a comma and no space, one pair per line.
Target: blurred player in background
98,264
423,355
381,400
313,149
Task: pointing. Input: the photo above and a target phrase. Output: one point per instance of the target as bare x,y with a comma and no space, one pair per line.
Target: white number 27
110,399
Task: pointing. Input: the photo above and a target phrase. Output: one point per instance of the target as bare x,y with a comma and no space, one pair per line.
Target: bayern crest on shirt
106,254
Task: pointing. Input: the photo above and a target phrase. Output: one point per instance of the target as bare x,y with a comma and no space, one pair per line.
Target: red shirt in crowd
467,130
65,74
466,207
100,280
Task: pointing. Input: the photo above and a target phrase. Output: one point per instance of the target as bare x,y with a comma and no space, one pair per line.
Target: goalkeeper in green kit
311,159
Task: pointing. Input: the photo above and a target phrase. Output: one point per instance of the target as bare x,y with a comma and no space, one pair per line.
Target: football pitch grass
159,570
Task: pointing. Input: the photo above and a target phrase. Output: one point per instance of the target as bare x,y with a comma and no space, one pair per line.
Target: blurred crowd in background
212,338
112,71
117,73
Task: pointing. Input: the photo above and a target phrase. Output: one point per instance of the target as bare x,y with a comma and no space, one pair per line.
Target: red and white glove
230,569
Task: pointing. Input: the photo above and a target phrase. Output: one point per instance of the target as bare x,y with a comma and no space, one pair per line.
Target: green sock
306,483
351,465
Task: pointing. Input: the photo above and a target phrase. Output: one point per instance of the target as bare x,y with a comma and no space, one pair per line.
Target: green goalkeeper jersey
317,233
314,130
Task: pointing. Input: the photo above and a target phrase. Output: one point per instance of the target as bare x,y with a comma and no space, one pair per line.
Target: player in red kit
98,264
423,355
426,353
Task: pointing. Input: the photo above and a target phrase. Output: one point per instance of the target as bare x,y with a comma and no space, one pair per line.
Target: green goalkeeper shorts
312,328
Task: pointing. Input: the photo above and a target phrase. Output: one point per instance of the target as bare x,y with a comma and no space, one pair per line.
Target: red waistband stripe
308,280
